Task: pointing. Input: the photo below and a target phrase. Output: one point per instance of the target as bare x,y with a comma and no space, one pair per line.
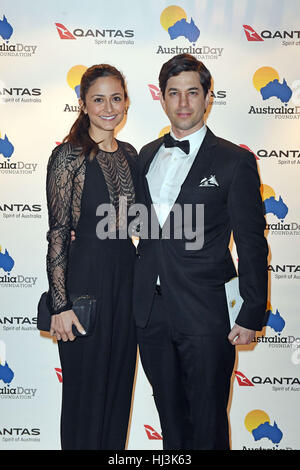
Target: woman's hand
61,326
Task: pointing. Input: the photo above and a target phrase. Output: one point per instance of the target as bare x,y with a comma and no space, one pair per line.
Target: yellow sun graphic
266,192
164,131
263,76
255,418
171,15
74,75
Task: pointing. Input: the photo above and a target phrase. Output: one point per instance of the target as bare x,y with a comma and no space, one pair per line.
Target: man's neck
181,134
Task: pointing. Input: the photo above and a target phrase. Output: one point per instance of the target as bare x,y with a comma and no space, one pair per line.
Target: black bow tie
184,145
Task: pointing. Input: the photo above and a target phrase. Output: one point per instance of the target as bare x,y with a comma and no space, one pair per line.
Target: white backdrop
44,48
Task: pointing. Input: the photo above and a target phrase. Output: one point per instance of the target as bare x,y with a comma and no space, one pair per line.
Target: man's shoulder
148,150
233,151
228,145
150,145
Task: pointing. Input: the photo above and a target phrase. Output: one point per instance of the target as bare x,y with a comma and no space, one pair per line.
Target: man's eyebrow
189,89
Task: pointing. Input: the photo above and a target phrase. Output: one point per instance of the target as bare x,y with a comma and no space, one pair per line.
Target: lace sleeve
60,176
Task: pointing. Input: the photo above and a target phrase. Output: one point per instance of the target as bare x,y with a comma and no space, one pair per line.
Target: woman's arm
61,170
60,174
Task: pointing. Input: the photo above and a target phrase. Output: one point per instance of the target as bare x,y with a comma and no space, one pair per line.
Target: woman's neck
106,141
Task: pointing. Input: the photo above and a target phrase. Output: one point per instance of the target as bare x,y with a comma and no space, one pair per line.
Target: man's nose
183,100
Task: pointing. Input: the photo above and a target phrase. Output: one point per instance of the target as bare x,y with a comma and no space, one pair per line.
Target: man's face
184,103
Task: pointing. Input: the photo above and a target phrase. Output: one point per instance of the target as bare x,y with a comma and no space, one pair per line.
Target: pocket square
210,181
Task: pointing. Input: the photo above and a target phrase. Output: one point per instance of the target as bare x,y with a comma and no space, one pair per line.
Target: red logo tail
63,32
59,374
154,92
251,35
151,433
242,379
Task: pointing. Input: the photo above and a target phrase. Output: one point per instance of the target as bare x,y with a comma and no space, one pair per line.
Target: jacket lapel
200,166
147,159
203,160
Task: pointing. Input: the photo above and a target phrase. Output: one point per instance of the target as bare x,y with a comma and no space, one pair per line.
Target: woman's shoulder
66,154
129,148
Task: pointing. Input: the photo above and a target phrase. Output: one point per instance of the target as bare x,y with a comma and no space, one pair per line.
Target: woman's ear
82,106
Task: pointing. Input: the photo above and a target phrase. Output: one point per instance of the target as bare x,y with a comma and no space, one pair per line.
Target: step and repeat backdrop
252,50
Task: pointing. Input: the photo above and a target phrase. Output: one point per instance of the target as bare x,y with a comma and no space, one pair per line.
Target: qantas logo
151,433
63,32
278,382
154,92
251,35
242,379
59,374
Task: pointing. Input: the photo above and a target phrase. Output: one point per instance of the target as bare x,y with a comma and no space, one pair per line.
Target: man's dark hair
184,63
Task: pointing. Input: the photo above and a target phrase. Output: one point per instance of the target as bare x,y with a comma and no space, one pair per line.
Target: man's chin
187,126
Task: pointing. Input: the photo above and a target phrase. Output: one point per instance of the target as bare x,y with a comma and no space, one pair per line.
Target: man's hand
241,335
73,238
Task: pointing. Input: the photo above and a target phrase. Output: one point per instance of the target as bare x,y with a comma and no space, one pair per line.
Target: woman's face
105,105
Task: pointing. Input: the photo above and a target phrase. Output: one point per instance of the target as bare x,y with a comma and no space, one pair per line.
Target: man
187,347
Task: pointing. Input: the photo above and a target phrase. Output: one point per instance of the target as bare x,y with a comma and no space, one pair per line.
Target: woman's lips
108,118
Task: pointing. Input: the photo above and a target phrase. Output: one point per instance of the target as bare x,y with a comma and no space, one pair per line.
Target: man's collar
193,138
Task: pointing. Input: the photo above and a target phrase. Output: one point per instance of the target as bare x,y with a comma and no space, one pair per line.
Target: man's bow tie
184,145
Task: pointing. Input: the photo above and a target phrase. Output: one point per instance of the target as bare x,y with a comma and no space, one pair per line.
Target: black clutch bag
84,307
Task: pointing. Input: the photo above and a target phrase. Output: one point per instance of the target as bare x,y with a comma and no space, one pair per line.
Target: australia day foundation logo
275,323
277,213
10,277
282,97
8,163
276,334
6,373
101,35
8,45
185,34
8,388
262,431
73,80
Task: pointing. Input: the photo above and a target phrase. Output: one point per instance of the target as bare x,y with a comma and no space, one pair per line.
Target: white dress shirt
167,172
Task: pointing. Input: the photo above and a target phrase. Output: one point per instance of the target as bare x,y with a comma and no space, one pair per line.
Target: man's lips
184,115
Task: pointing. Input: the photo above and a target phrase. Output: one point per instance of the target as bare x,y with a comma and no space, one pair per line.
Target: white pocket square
210,181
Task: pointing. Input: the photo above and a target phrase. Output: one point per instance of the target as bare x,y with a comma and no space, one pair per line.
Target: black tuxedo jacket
193,281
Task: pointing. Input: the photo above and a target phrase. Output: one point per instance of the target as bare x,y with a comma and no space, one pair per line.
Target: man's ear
162,101
207,98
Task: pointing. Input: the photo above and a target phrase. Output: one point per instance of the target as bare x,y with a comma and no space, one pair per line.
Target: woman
88,169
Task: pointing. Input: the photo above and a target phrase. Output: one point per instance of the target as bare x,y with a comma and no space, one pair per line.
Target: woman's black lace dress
98,370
